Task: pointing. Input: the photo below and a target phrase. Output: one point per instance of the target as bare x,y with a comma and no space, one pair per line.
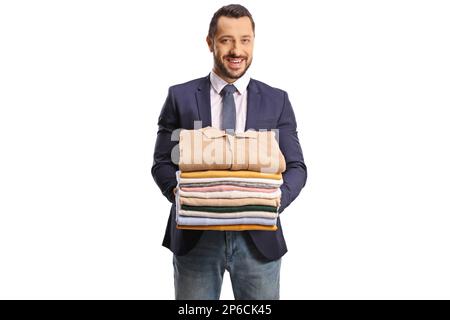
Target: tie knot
228,89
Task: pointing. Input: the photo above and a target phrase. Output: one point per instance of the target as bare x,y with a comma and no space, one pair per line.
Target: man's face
232,47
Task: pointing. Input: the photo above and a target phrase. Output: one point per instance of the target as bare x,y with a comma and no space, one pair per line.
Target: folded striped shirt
203,221
230,194
271,182
225,215
231,183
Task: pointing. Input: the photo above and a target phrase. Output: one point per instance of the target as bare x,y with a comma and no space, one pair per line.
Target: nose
236,50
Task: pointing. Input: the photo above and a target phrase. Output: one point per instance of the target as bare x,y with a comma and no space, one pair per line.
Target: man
253,258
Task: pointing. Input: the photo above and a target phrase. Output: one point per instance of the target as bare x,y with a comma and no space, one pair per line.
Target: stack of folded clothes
228,182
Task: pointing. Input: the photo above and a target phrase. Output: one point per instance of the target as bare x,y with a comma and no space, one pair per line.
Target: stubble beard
224,71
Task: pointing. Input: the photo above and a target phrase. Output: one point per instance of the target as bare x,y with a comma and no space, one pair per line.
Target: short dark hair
232,11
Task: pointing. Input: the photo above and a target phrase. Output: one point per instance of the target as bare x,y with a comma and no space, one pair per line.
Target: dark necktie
228,108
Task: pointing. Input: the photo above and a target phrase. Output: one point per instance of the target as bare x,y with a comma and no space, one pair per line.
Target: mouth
235,63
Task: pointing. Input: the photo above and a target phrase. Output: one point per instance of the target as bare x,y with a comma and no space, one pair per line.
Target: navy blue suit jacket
267,108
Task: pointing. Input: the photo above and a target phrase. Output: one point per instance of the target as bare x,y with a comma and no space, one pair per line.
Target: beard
223,69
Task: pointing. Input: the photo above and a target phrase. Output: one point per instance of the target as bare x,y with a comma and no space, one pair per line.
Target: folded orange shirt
230,173
237,227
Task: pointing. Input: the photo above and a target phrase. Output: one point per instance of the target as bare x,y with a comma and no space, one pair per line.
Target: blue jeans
198,275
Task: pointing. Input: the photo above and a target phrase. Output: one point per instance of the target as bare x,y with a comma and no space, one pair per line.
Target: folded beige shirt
213,149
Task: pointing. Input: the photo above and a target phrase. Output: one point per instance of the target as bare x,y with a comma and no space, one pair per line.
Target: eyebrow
228,36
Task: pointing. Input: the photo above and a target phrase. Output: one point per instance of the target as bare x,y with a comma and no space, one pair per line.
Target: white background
81,87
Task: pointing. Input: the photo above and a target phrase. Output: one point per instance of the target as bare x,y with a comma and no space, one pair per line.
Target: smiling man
231,42
228,99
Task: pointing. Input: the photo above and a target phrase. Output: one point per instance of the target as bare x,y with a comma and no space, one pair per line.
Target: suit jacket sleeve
163,169
294,178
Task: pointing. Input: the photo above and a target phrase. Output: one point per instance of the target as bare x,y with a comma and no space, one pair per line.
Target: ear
210,43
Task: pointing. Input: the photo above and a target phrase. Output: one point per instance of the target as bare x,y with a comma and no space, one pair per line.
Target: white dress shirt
240,100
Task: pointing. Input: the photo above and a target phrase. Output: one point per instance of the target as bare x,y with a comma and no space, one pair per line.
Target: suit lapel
204,102
253,100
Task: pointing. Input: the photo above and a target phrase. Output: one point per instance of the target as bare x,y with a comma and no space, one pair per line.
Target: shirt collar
218,83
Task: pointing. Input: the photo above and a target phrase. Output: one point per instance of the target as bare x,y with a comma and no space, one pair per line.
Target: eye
246,40
225,40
